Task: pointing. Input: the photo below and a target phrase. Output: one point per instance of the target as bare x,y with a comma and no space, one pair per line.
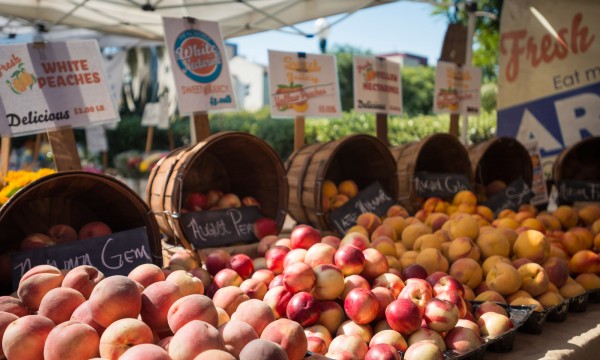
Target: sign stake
64,149
149,136
298,132
4,158
201,126
381,127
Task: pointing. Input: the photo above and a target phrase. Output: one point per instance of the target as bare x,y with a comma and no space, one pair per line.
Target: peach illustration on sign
21,80
289,101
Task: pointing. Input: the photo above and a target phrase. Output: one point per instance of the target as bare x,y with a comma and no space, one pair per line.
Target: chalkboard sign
115,254
443,185
578,190
373,199
220,227
515,194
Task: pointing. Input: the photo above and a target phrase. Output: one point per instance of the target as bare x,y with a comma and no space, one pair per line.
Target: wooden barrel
361,158
75,198
230,161
500,158
579,161
436,153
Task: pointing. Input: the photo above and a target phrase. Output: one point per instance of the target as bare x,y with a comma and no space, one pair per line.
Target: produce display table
576,338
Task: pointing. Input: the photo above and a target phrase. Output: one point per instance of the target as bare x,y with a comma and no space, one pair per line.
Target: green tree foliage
417,90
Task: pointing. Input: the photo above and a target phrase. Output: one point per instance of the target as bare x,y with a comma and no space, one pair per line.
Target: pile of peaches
334,196
215,199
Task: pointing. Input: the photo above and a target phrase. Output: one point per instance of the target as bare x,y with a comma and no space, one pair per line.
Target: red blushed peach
467,271
263,349
584,261
489,306
71,340
194,338
352,282
455,298
13,305
428,335
389,281
390,337
349,327
284,242
490,295
5,320
59,304
62,233
255,313
492,324
334,241
192,307
184,258
229,298
298,277
242,264
277,298
265,226
423,351
123,334
331,315
116,297
294,256
369,221
448,283
289,335
254,288
94,229
419,292
303,308
227,277
214,354
216,260
156,301
83,315
318,331
347,347
329,282
236,335
350,259
277,281
145,274
36,282
84,278
164,343
145,351
319,254
304,236
384,298
264,275
403,316
357,239
462,340
316,345
382,351
275,257
25,337
188,284
35,241
265,244
375,264
223,316
440,315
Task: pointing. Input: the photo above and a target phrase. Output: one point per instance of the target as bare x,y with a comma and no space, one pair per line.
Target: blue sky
397,27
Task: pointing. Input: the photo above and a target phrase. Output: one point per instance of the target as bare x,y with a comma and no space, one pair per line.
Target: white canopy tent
142,18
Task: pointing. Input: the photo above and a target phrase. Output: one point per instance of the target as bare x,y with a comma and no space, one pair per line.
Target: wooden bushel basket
75,198
230,161
362,158
436,153
578,162
500,158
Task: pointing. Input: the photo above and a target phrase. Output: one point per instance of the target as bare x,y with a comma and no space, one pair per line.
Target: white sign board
457,89
95,139
377,85
199,65
303,85
50,85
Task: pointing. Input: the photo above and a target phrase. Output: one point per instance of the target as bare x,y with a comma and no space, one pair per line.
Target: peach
25,337
358,229
517,294
236,335
469,324
535,280
349,327
289,335
5,320
528,301
567,216
123,334
385,245
227,277
464,225
389,281
59,304
585,261
408,258
456,299
35,241
492,324
263,349
214,354
329,189
83,315
254,288
320,332
369,221
145,351
382,351
13,305
385,230
440,315
467,271
188,284
331,240
423,351
429,241
533,245
264,227
588,280
116,297
350,259
228,201
298,277
571,289
493,242
71,340
318,254
403,316
412,232
229,298
196,201
329,282
331,315
36,282
242,264
361,305
396,210
463,247
462,340
489,263
427,335
277,299
194,338
223,316
357,239
490,295
390,337
265,244
572,242
212,197
397,223
589,213
489,306
255,313
294,256
354,281
418,291
62,233
94,229
203,275
275,257
216,260
384,298
347,347
264,275
303,308
504,279
157,299
432,260
304,236
192,307
549,299
394,264
375,264
84,278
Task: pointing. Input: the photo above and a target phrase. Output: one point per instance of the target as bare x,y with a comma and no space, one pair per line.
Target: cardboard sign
515,194
373,199
457,89
538,183
548,74
377,85
578,190
220,227
95,139
303,85
199,65
443,185
50,85
115,254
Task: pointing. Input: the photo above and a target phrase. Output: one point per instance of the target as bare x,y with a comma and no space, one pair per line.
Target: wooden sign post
381,127
64,149
4,158
201,126
299,137
454,50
